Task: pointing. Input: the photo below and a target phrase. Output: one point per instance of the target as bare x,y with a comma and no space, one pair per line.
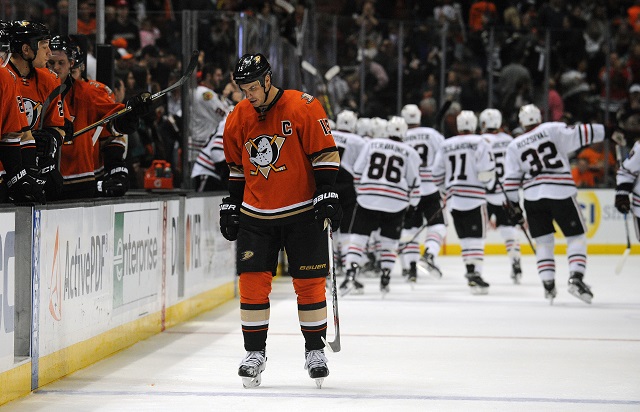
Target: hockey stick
335,345
45,105
187,74
423,227
627,251
329,74
437,123
526,233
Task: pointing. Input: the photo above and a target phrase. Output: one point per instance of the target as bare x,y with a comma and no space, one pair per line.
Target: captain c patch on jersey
264,152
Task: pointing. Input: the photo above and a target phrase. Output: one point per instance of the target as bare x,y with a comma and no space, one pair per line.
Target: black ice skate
413,273
251,368
428,266
578,288
385,278
476,283
316,364
550,291
350,284
516,271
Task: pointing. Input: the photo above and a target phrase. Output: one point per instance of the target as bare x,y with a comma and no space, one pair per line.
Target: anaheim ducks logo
246,255
32,110
264,152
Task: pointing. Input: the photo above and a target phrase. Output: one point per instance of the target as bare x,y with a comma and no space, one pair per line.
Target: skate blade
251,382
585,297
319,382
516,279
477,290
433,273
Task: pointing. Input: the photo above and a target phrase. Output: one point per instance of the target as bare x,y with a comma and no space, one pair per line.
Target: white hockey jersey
210,154
498,142
539,160
207,111
630,173
349,146
387,176
426,141
457,166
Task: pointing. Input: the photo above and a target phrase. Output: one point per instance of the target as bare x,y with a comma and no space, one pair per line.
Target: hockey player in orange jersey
13,129
89,101
29,46
283,164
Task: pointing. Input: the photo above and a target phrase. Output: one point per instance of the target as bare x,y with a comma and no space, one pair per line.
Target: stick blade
332,346
309,68
622,260
331,73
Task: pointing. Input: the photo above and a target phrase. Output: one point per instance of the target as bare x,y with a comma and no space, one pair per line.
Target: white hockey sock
473,252
544,257
356,250
577,253
435,237
510,236
388,253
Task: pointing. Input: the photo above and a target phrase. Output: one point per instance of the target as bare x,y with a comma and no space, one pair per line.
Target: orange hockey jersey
12,116
35,88
279,157
87,102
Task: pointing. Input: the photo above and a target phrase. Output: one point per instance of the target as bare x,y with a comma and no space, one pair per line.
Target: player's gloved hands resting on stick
514,211
622,202
229,218
140,105
327,205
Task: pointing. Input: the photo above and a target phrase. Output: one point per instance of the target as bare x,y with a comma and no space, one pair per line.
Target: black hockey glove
26,187
115,183
514,212
51,175
229,218
327,205
140,105
410,214
622,202
47,143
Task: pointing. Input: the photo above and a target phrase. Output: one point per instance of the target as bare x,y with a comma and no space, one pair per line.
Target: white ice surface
433,348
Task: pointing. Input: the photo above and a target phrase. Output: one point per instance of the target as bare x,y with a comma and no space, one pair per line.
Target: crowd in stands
594,55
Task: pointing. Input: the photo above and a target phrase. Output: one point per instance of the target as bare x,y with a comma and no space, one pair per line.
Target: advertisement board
7,290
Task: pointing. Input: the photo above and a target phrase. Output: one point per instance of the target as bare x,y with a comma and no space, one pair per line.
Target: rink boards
103,277
106,275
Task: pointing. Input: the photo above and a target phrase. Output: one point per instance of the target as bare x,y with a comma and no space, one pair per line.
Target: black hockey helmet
68,46
251,67
5,37
29,32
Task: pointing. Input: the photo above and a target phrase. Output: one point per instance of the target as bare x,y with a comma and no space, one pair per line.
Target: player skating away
490,124
465,167
208,110
283,163
426,141
628,182
29,46
349,146
538,161
87,102
18,185
210,171
387,178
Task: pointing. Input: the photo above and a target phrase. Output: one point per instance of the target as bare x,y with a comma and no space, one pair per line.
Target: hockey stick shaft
187,74
45,105
423,227
627,251
335,344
